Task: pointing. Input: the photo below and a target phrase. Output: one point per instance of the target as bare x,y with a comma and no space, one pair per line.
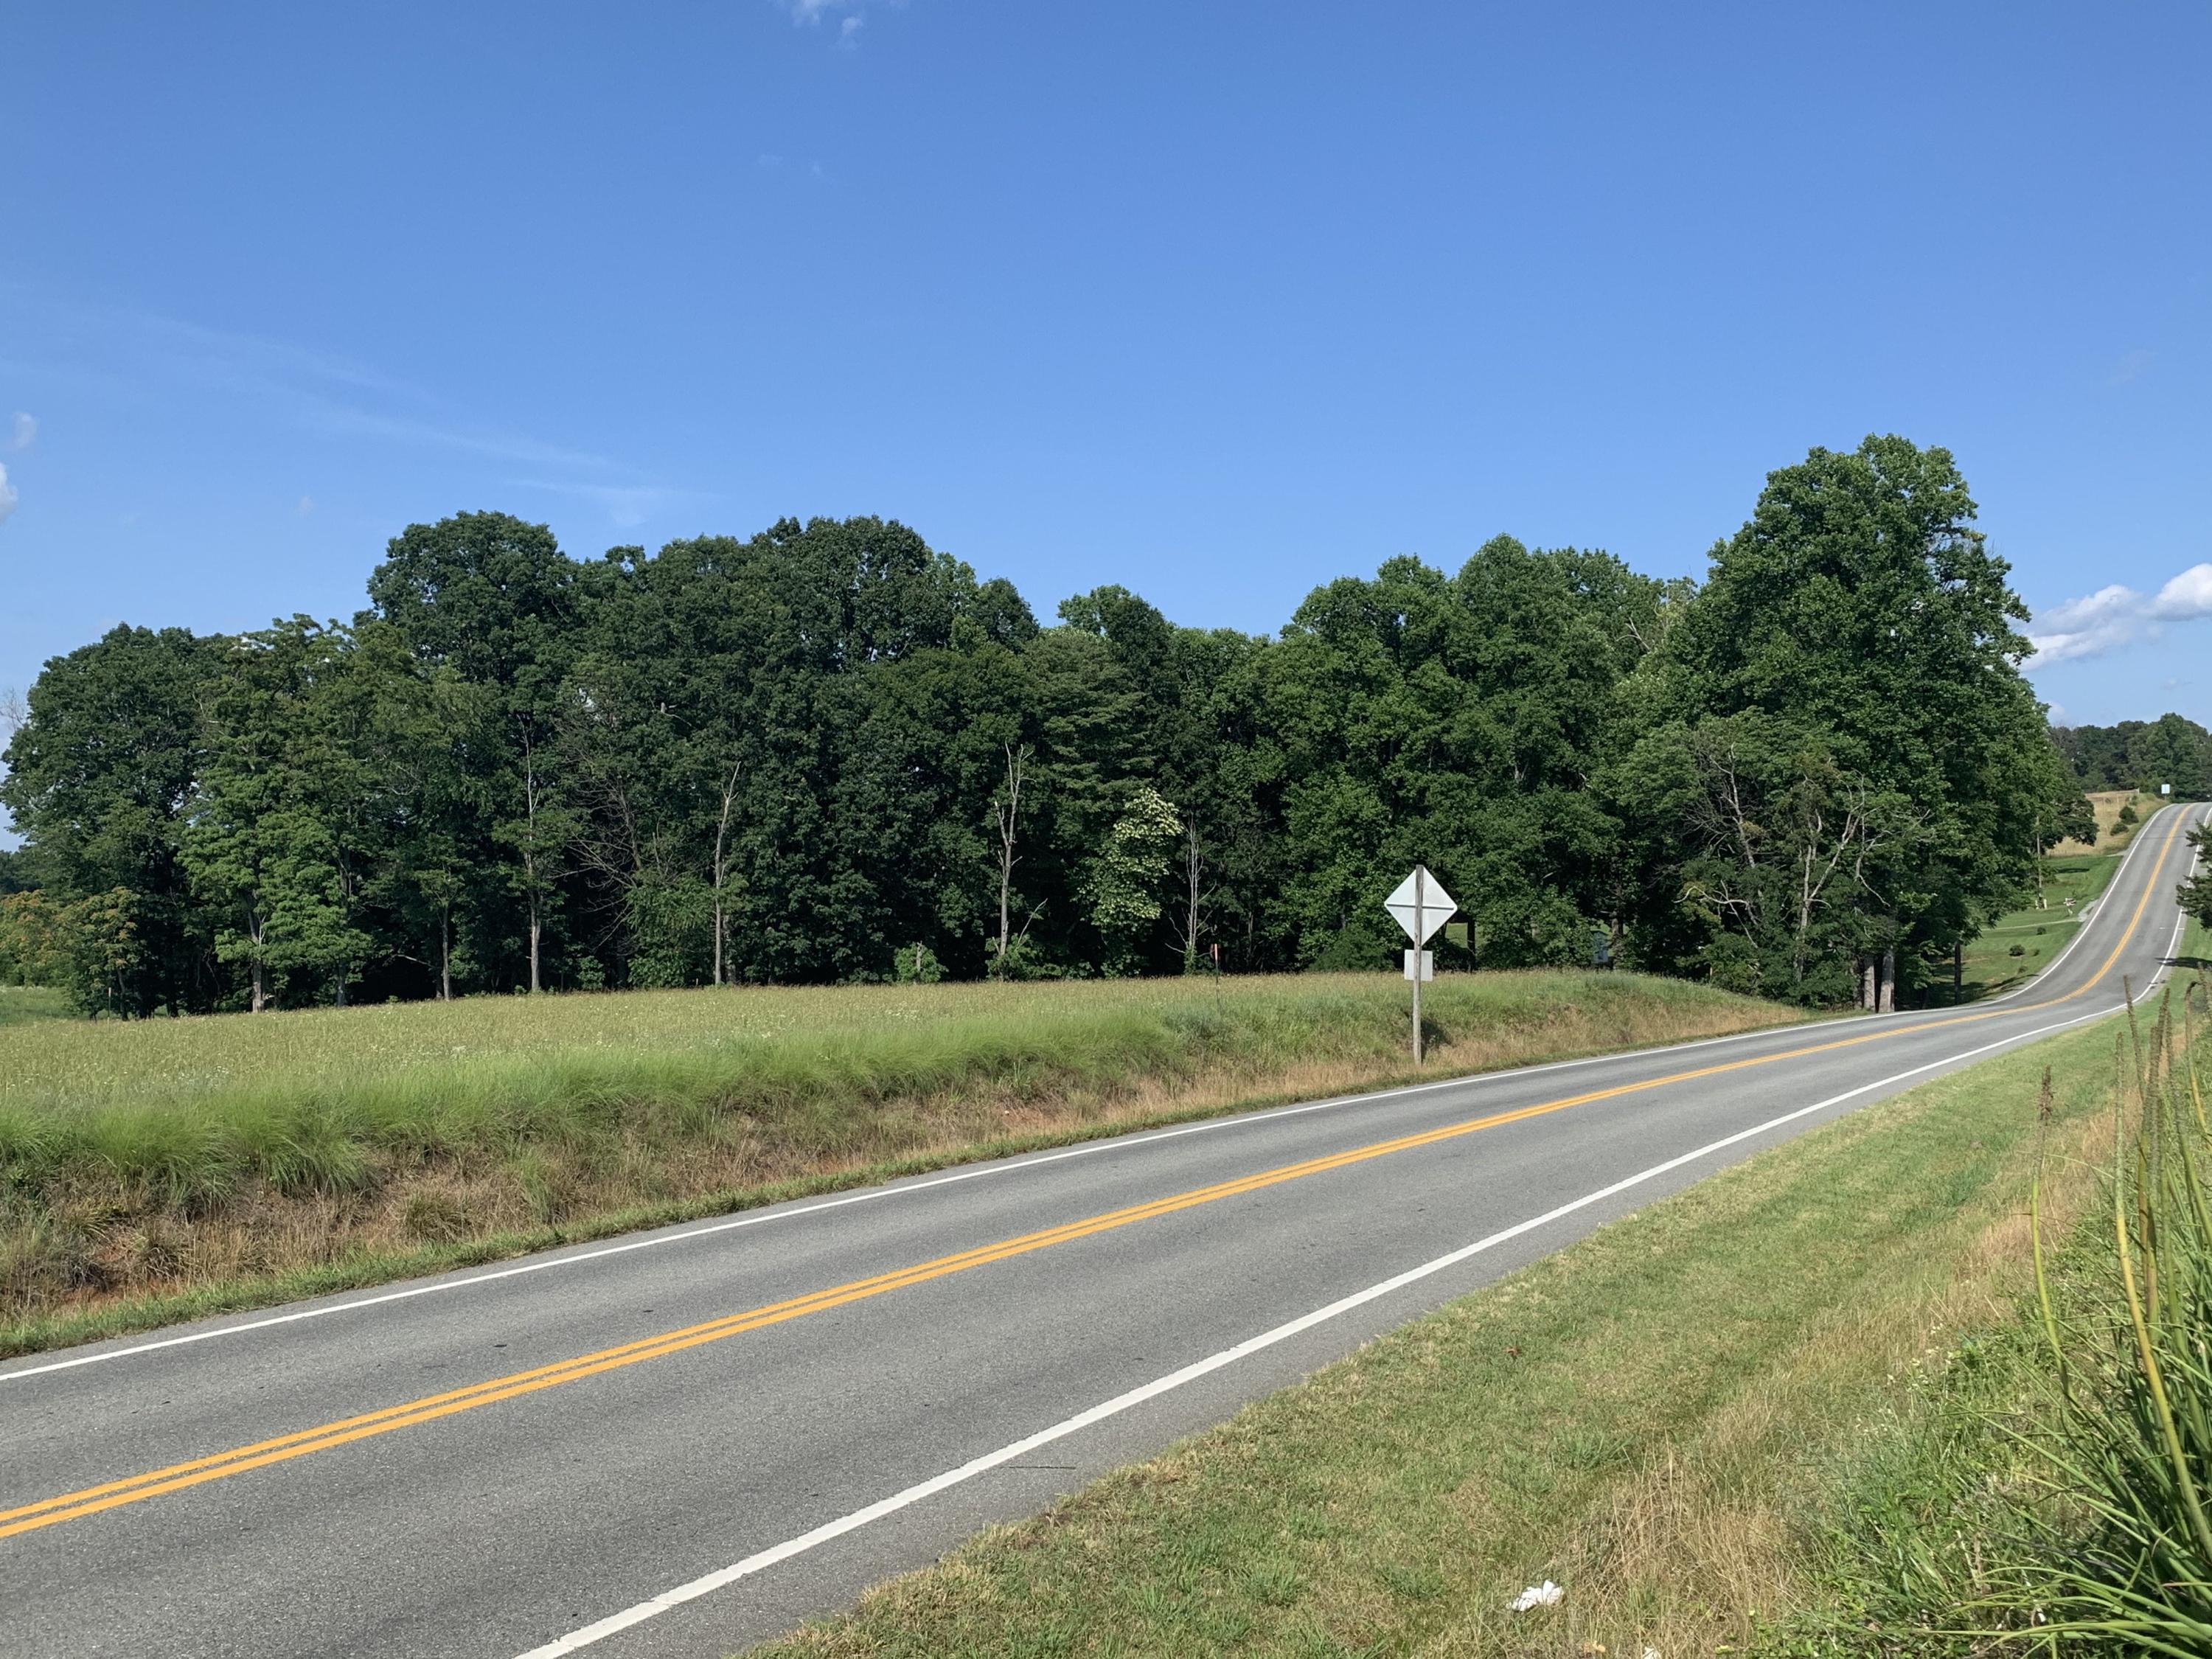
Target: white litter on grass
1651,1652
1546,1595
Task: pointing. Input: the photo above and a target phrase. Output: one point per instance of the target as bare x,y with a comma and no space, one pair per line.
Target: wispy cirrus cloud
851,15
2130,368
7,495
344,421
2117,616
25,432
626,506
148,358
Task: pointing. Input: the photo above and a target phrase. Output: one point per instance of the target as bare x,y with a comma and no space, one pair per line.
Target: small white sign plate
1428,963
1437,906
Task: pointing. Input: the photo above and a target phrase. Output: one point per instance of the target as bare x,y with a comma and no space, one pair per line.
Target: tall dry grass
2112,1546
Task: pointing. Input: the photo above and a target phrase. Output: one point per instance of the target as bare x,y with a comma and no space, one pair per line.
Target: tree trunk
1005,881
1958,970
1193,870
1888,1003
721,838
446,955
1008,812
1866,985
255,930
529,858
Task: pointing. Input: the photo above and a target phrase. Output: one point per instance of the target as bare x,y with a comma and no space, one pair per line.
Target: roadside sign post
1420,906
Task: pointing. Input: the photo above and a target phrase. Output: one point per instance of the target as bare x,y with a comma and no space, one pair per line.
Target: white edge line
1013,1166
706,1585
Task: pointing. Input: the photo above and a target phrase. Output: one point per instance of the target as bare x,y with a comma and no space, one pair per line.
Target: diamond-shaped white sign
1436,905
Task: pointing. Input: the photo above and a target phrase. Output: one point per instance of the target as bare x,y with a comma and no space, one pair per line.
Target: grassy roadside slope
1648,1418
2038,935
158,1170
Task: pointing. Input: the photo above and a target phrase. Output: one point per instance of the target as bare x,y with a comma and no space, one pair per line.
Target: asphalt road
687,1441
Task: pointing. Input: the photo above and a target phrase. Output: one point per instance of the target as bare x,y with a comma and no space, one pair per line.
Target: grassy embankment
2022,943
155,1169
1672,1418
2050,1483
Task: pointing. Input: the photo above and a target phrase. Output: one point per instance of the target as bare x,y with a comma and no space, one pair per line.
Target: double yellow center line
177,1477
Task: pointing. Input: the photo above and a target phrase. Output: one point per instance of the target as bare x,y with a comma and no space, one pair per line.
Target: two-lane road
688,1440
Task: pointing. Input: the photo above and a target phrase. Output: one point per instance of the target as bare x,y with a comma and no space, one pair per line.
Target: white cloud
25,432
7,495
850,14
2130,366
307,505
2189,594
2116,616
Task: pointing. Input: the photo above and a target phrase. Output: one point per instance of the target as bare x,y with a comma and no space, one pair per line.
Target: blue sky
1218,301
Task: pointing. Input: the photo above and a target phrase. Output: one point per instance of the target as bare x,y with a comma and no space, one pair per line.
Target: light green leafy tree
1123,882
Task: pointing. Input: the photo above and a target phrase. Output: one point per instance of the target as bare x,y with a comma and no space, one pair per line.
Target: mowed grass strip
158,1170
1646,1418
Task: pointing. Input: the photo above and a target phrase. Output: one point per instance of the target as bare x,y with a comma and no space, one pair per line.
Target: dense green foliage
831,753
2196,893
2141,754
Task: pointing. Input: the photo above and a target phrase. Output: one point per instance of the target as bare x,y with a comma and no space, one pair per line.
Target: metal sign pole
1409,904
1420,932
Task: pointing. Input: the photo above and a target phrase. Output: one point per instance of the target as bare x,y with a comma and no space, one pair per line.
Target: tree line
830,752
2141,754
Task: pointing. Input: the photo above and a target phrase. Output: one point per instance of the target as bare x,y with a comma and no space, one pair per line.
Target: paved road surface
690,1440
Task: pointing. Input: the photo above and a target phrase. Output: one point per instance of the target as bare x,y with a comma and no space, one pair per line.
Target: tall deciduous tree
1860,606
1454,721
282,824
99,774
493,599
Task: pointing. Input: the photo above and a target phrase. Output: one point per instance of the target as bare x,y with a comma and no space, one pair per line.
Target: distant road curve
689,1440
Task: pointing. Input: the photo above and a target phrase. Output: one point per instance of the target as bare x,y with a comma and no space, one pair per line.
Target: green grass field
157,1168
1670,1419
21,1004
2038,934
